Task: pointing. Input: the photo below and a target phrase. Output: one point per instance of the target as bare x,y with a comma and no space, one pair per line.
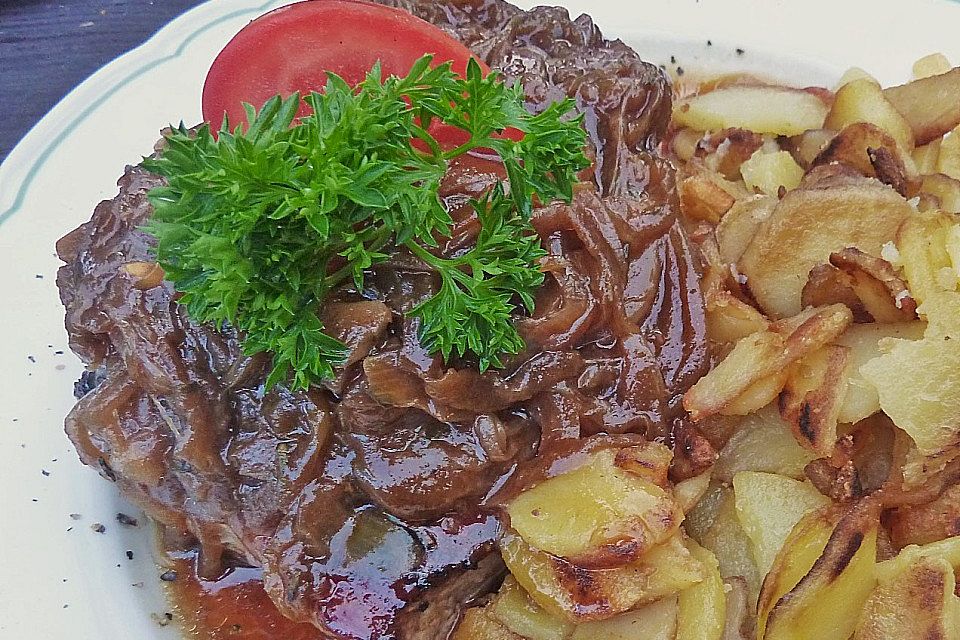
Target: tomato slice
292,48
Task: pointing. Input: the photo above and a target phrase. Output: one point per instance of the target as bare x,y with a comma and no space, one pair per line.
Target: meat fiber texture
369,503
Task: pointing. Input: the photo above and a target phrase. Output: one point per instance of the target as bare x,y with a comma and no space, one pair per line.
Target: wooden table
48,48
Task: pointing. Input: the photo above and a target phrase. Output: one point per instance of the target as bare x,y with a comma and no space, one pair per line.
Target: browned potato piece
948,162
812,397
918,602
738,612
851,146
743,220
828,285
655,621
925,157
883,294
813,594
757,395
808,145
762,109
513,608
730,319
580,594
702,197
946,190
864,101
601,514
807,226
925,523
684,143
762,355
931,106
477,624
724,151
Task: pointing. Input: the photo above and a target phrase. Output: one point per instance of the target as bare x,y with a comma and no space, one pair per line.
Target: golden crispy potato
819,594
599,514
946,190
703,197
724,151
930,106
861,398
917,381
828,285
513,608
768,506
853,147
855,73
807,226
656,621
762,355
923,242
948,162
917,602
730,544
882,293
730,319
701,609
925,523
812,397
768,173
925,157
931,65
863,101
808,145
757,395
947,549
761,109
684,143
579,594
477,624
740,224
762,442
687,493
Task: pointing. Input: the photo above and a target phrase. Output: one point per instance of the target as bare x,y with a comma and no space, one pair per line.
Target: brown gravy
233,607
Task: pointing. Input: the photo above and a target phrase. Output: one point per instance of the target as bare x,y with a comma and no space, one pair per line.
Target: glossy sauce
234,607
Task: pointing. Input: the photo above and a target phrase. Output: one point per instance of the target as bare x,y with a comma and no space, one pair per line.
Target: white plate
62,580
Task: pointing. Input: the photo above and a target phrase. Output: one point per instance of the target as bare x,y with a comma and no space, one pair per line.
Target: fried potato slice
684,143
757,395
724,151
579,594
762,355
601,514
945,189
729,542
688,493
768,173
739,612
917,380
917,602
863,101
762,442
812,397
761,109
819,594
855,73
808,225
730,319
931,65
923,242
925,157
854,147
477,624
656,621
861,399
768,507
741,223
930,106
925,523
828,285
703,197
702,608
947,549
808,145
883,293
948,162
513,608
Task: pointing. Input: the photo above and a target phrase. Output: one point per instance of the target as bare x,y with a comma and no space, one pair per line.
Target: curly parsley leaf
256,226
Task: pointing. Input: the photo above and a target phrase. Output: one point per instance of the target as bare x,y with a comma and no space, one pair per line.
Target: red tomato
292,48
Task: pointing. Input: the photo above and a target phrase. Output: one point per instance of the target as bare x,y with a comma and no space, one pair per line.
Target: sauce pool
233,607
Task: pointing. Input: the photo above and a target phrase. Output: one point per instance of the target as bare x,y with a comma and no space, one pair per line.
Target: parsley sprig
256,226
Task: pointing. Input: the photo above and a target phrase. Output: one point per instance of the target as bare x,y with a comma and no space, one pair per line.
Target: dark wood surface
48,48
